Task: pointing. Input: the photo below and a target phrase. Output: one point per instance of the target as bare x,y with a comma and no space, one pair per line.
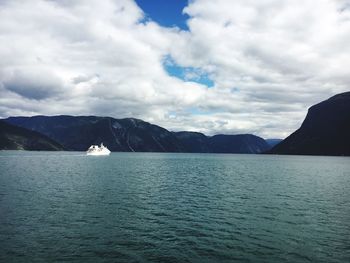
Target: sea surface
163,207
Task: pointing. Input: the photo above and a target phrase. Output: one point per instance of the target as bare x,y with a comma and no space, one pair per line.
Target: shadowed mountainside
325,130
241,143
17,138
78,133
273,142
194,142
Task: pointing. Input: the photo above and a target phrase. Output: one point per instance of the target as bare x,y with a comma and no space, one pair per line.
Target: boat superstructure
98,150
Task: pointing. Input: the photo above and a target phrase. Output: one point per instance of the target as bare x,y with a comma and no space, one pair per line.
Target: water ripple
173,208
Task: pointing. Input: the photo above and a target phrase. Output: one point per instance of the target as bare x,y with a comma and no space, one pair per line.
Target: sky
227,67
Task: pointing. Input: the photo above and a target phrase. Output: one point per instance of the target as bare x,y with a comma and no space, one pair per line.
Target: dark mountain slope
325,130
273,142
242,143
193,142
78,133
17,138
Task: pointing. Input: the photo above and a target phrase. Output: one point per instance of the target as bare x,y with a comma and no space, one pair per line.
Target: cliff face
17,138
325,130
78,133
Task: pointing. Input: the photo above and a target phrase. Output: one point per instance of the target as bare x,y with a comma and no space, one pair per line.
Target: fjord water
156,207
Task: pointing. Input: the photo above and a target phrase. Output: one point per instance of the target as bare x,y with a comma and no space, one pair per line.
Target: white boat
98,150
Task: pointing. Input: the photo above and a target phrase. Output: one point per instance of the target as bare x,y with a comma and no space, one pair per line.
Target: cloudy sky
221,66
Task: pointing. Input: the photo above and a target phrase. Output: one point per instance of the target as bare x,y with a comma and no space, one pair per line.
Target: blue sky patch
167,13
187,73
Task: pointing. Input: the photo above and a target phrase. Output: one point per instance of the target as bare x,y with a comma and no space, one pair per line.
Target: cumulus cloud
37,84
274,42
268,61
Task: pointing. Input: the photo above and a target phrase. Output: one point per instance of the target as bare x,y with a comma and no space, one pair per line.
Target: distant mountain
17,138
242,143
273,142
78,133
325,130
193,142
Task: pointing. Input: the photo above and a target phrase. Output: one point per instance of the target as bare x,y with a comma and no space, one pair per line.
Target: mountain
78,133
242,143
325,130
17,138
193,142
273,142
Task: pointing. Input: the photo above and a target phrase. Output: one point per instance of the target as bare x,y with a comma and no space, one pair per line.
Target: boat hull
98,153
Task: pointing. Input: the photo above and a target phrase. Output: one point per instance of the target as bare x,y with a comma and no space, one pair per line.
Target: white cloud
269,61
33,84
